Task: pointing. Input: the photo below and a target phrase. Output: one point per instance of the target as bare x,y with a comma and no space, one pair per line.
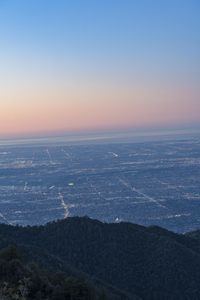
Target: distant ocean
108,137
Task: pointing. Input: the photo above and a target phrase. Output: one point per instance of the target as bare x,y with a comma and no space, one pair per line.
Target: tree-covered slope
26,281
151,263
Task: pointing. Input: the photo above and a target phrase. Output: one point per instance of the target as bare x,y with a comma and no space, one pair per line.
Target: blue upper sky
159,34
151,39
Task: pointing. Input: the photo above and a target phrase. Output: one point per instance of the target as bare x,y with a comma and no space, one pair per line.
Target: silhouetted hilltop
122,259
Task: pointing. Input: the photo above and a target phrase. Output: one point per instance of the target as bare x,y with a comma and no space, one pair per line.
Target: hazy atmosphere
98,65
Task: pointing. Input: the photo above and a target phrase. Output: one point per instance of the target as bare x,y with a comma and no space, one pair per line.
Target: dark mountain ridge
150,262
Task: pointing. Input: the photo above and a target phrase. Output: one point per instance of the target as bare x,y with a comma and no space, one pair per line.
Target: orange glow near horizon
80,66
95,106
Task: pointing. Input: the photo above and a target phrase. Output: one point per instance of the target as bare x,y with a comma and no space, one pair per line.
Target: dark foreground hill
125,261
20,280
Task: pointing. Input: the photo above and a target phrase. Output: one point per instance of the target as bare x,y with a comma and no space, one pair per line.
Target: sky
69,66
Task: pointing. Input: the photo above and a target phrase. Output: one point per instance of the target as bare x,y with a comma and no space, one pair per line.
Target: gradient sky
98,64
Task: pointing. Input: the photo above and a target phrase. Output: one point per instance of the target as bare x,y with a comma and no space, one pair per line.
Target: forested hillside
117,261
